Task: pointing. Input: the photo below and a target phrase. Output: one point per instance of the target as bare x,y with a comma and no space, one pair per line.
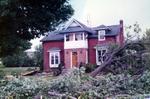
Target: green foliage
1,66
23,20
21,86
38,57
133,32
90,67
2,74
101,87
18,60
68,83
76,84
15,71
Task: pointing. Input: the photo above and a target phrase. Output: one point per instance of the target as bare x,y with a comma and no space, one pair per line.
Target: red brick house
77,43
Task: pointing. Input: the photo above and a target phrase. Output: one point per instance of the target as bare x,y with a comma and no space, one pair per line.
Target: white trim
97,58
86,56
54,53
83,36
71,59
74,38
97,61
65,38
73,20
76,44
51,51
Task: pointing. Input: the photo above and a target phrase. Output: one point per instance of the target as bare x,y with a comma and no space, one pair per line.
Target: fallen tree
121,58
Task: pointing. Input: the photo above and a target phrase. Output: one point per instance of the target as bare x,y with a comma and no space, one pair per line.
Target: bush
90,67
20,60
2,74
70,83
24,87
77,84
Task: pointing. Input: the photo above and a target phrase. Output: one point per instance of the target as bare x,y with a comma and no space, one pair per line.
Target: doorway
74,59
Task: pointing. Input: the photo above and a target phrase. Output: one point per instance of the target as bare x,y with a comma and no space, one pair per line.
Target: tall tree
23,20
38,56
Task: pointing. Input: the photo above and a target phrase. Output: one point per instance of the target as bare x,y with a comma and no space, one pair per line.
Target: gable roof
79,27
111,30
74,23
53,36
101,27
114,30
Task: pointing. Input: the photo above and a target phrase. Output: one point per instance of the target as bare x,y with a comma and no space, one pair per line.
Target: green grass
15,70
1,66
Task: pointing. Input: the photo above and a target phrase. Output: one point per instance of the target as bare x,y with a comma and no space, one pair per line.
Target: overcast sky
108,12
111,11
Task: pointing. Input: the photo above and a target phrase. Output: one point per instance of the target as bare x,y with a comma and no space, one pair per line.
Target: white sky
109,12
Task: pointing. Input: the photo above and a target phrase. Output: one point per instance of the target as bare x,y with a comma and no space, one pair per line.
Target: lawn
14,70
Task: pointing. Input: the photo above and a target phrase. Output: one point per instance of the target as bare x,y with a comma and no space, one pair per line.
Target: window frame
56,58
100,59
79,37
101,33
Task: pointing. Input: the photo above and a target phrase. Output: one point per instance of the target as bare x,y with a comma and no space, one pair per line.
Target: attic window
101,35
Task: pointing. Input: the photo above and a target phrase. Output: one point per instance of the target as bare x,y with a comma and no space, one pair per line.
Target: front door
74,58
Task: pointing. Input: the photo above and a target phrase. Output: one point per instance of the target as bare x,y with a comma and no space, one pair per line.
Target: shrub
18,60
89,67
77,84
2,74
67,83
24,87
70,83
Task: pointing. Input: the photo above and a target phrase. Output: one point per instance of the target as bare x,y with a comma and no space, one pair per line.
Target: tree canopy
23,20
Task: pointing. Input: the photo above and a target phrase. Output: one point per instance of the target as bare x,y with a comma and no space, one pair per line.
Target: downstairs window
54,59
101,56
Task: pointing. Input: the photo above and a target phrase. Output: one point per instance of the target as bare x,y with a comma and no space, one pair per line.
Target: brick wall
81,56
46,47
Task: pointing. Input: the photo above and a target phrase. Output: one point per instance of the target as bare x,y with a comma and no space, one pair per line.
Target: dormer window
101,35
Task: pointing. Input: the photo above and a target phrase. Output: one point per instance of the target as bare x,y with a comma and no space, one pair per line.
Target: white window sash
99,62
101,33
54,54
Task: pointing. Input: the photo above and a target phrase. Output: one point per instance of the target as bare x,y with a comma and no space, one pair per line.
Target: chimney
121,23
121,32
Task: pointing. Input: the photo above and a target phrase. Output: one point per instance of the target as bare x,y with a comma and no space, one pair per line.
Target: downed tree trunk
112,56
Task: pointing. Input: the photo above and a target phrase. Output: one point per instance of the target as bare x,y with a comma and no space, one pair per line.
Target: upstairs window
71,37
67,37
79,37
101,35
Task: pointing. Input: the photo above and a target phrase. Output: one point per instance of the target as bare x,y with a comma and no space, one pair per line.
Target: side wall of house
46,47
92,50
